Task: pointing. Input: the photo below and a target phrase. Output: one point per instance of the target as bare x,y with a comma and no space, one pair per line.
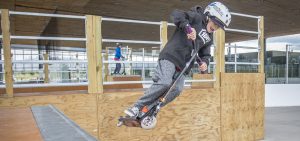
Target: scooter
147,117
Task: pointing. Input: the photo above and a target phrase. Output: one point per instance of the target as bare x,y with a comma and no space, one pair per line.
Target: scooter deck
129,122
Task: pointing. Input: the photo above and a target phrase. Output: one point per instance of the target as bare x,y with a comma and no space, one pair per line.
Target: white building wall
277,95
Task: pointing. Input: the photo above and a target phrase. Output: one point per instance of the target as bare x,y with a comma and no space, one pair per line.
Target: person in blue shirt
118,55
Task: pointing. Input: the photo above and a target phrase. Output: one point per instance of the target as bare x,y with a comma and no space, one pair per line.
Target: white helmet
219,13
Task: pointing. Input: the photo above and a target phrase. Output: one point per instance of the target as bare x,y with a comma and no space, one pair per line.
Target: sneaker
132,112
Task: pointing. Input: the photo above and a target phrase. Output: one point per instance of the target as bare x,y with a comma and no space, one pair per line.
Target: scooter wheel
148,122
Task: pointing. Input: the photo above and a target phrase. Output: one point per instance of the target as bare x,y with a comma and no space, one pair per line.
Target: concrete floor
282,124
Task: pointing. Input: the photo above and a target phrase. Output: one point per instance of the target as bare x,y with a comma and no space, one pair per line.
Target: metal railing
244,15
47,38
241,31
131,41
244,31
46,61
258,32
235,63
46,15
110,40
130,21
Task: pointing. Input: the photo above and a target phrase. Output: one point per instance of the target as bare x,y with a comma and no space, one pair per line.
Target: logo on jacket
204,36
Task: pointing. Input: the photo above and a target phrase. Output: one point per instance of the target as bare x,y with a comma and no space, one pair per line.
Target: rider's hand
192,35
203,66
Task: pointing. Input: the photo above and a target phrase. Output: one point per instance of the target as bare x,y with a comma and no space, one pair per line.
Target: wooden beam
94,49
219,57
46,69
163,34
261,44
5,24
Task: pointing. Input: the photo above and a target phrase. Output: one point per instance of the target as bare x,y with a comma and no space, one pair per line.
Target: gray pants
162,80
118,68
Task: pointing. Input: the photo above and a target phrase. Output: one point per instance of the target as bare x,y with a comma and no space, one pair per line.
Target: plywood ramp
81,108
242,106
194,116
18,124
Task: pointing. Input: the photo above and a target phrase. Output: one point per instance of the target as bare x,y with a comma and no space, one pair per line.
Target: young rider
193,26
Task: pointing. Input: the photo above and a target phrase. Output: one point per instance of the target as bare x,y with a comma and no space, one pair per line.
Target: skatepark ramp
55,126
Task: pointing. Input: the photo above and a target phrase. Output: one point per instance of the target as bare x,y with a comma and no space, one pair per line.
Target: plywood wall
197,76
45,89
194,116
242,106
111,78
235,112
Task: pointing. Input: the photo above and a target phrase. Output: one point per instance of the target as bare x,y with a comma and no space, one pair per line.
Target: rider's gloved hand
190,32
202,66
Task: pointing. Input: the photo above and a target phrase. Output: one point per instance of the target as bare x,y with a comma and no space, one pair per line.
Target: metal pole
48,38
130,65
77,69
244,15
245,47
272,70
241,31
46,15
129,21
127,52
287,65
126,41
235,59
143,70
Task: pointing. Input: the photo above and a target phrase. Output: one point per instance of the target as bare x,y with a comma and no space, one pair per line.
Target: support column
46,69
163,34
94,50
5,24
261,44
219,57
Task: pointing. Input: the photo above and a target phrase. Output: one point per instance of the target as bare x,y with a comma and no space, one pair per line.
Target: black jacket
178,50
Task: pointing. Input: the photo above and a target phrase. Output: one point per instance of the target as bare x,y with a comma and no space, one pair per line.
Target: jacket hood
197,9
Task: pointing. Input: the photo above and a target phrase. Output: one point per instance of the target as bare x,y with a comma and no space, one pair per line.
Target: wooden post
219,56
5,24
261,44
46,69
106,65
94,50
163,34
